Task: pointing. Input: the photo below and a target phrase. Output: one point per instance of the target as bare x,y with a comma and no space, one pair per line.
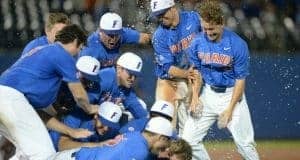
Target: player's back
38,73
131,146
39,41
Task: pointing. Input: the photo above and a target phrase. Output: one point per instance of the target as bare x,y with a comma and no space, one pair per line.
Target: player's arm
66,68
241,71
237,94
81,98
175,72
133,36
66,142
60,127
132,104
226,116
197,82
52,123
145,38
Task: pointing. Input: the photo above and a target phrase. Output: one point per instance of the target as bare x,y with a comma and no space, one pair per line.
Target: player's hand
224,118
196,107
115,141
80,133
93,109
190,73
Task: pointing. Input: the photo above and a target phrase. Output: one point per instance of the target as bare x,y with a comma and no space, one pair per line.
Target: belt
217,89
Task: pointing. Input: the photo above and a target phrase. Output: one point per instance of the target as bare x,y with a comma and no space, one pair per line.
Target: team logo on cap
114,114
163,107
138,65
114,23
154,4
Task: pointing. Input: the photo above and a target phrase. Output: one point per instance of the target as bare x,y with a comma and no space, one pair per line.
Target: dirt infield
268,150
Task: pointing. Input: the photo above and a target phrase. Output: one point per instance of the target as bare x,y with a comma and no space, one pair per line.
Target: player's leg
242,131
194,132
22,126
183,96
196,129
182,116
166,90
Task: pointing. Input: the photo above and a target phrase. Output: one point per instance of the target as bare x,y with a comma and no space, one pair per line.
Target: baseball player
32,83
116,84
104,125
131,145
222,57
104,44
159,108
170,42
88,74
54,23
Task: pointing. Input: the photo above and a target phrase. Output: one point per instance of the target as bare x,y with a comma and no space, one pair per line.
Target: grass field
268,150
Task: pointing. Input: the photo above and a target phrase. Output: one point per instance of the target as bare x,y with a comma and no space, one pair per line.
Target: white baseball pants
20,124
179,94
64,155
240,126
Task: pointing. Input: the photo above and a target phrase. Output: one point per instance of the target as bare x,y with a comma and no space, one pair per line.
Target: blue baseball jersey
39,72
170,45
78,119
111,91
139,125
220,63
134,125
131,146
108,57
40,41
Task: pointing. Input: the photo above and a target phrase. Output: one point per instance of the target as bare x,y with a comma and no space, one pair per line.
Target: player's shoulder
108,71
189,13
94,38
198,39
127,29
39,41
235,38
160,34
108,74
188,16
233,35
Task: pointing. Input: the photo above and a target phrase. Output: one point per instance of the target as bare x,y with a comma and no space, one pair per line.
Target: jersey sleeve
130,36
241,61
89,51
28,47
193,54
163,56
132,104
65,67
125,128
73,120
196,19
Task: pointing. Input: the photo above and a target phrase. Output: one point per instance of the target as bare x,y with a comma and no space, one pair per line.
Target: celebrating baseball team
70,96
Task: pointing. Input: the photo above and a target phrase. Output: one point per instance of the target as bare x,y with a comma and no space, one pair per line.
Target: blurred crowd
267,25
